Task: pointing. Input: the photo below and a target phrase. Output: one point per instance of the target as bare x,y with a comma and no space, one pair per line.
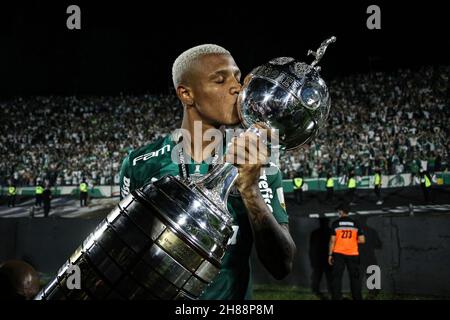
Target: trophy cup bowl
166,240
286,95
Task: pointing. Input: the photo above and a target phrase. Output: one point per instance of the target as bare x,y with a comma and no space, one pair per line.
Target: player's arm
273,242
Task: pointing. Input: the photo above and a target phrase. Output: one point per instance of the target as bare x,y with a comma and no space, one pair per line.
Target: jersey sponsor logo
266,191
346,223
345,228
157,153
125,190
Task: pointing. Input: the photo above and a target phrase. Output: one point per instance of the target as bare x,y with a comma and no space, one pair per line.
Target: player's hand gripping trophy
166,239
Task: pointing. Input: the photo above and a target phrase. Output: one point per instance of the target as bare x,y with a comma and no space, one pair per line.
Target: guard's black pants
330,191
352,263
426,194
46,208
298,195
83,198
351,194
12,201
38,202
378,192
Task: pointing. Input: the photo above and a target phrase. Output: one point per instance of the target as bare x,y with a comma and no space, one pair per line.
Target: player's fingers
247,148
264,130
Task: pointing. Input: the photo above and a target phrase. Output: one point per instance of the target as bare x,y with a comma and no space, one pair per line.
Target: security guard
298,189
330,187
351,185
425,184
47,198
83,193
12,195
377,186
39,190
346,234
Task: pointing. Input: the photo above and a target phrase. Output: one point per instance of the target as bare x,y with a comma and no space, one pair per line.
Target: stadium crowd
62,139
397,121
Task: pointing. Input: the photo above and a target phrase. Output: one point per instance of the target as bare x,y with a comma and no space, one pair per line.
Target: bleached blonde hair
185,60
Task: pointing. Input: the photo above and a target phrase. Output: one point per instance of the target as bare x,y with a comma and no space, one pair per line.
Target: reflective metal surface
287,95
164,241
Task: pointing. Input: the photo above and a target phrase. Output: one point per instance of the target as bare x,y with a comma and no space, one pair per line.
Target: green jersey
153,161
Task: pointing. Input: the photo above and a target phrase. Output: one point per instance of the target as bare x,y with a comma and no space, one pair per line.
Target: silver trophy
166,240
287,95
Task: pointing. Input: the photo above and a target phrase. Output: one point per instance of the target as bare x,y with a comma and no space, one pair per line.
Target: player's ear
186,95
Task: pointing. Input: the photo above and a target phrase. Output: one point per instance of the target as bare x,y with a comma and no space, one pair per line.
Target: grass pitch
278,292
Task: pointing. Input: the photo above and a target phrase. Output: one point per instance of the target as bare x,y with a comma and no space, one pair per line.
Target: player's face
216,88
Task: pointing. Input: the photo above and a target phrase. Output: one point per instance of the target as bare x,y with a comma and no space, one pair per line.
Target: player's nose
235,88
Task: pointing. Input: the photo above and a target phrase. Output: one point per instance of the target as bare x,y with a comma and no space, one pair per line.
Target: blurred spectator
18,281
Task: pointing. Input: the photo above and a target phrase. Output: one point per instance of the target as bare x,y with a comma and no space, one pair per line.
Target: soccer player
207,82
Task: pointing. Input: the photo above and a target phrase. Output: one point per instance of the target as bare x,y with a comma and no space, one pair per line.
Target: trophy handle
321,51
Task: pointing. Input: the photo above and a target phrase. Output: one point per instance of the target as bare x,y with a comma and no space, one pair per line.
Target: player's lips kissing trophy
166,239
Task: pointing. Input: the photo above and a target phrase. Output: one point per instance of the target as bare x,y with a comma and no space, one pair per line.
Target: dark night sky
126,46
